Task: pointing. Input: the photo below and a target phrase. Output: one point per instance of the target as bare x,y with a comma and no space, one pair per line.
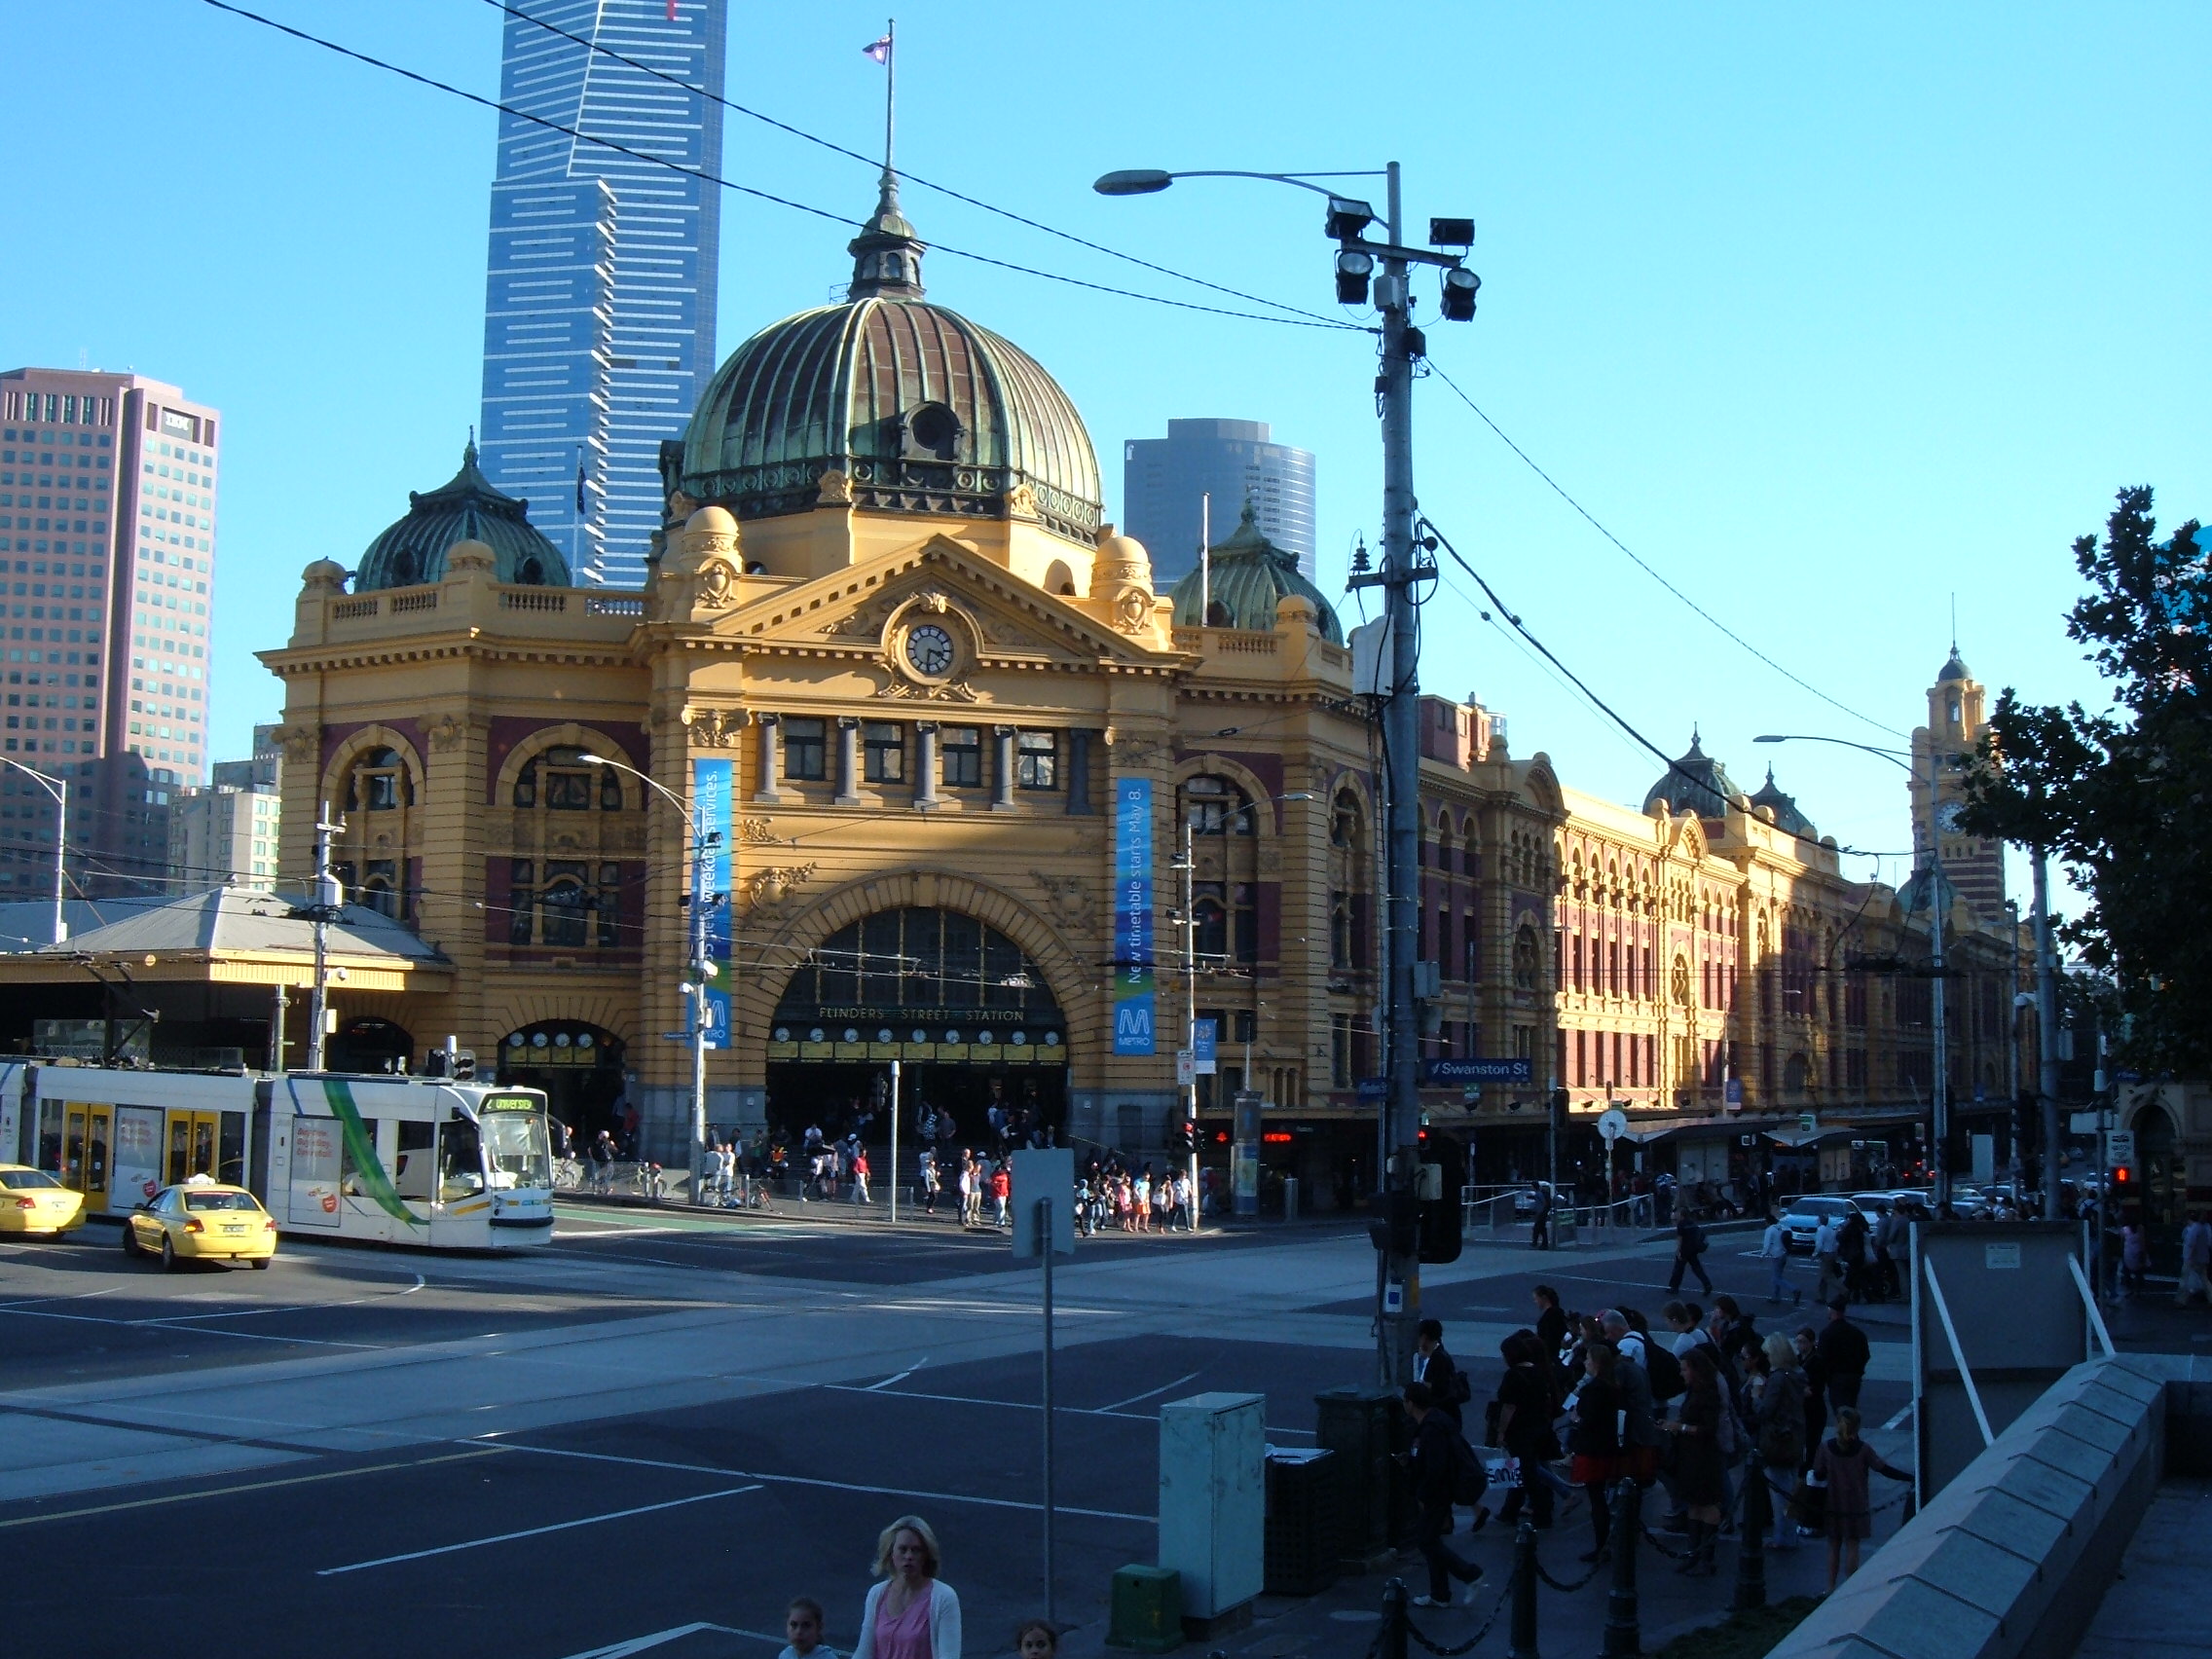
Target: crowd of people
1689,1409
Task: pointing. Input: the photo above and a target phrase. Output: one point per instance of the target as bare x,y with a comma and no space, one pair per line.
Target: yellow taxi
201,1220
33,1201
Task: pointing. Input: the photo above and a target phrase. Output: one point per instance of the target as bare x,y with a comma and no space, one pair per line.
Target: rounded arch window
1212,805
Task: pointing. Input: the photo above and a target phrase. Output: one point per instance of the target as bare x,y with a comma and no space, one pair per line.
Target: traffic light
1558,1111
1394,1227
1438,1212
1184,1137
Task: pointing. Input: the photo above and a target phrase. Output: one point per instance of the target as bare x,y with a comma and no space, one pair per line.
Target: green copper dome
1694,783
1249,574
467,508
920,409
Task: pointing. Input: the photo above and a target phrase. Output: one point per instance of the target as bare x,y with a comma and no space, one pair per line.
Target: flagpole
1205,560
890,84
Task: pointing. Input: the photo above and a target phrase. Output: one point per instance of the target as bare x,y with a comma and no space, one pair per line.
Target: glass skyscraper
1164,479
599,314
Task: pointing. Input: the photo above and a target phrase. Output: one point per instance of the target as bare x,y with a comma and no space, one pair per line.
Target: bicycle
646,1179
568,1174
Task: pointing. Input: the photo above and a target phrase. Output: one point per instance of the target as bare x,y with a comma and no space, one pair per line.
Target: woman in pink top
910,1614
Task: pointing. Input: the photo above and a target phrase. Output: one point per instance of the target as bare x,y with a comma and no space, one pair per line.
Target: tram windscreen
516,1148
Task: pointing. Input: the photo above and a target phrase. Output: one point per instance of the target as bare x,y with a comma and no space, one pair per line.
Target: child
1843,1465
802,1627
1037,1640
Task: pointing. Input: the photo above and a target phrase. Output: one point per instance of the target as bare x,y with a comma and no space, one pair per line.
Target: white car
1802,1220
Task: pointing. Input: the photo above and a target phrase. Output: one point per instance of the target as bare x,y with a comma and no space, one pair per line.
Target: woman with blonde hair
910,1614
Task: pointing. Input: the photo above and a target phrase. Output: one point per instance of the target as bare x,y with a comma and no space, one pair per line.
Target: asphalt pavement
651,1434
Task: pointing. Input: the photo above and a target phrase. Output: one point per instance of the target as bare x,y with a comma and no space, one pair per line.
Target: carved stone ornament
763,893
1021,502
299,743
755,832
1132,610
934,599
836,490
713,728
681,508
718,583
904,689
1133,750
1069,900
448,732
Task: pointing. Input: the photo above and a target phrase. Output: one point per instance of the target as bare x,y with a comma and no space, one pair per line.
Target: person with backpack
1446,1472
1777,1428
1774,1251
1690,1250
1437,1368
1526,1403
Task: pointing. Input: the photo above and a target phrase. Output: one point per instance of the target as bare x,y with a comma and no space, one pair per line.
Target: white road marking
874,1388
142,1324
533,1532
1896,1422
1035,1406
284,1308
806,1481
83,1296
639,1644
1149,1393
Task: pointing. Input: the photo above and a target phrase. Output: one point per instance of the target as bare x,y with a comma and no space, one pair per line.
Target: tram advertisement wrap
1132,916
711,786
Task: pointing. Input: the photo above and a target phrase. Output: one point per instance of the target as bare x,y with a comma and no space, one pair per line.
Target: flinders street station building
946,745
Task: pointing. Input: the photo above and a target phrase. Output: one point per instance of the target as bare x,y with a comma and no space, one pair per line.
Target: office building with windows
1165,480
599,316
107,521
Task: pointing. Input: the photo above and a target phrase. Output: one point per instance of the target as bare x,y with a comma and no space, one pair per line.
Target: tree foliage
2122,796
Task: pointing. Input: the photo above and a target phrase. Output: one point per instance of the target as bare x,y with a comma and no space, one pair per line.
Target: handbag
1504,1473
1780,1446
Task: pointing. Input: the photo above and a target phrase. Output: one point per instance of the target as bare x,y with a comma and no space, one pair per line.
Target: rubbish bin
1355,1424
1302,1546
1290,1198
1147,1610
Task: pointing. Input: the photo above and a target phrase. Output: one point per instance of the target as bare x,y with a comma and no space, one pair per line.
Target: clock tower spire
1957,720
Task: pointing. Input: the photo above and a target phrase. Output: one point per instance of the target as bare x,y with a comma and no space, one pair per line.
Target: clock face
929,648
1947,817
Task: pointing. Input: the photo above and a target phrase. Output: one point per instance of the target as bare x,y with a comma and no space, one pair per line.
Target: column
1002,768
1079,773
771,760
848,760
924,765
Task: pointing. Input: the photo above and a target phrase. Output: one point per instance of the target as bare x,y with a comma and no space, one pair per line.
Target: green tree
2122,796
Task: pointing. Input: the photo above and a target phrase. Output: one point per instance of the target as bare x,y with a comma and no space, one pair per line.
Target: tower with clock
1957,718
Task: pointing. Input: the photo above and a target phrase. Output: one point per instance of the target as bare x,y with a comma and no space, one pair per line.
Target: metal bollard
1391,1643
1525,1593
1623,1639
1750,1550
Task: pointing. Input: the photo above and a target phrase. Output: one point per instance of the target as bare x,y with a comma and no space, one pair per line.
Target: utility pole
2046,1033
329,896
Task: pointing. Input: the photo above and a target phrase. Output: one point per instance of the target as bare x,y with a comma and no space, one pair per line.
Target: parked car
1874,1204
1525,1201
1804,1216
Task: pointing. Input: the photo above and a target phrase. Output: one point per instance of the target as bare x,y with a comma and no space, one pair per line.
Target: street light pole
702,970
329,896
58,788
2047,1032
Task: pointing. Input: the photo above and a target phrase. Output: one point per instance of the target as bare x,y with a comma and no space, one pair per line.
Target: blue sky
1828,313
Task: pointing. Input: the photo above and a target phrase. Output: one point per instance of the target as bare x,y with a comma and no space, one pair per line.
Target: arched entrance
369,1045
578,1066
2159,1163
963,1008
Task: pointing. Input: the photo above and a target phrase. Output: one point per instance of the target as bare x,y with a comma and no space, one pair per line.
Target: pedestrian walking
1778,1425
1700,1468
1843,1465
802,1630
1541,1223
1827,1245
1843,1355
1440,1459
911,1613
1774,1251
1527,1400
931,1183
860,1176
1437,1368
1807,1345
1002,1188
1689,1252
2134,1256
1550,1321
2195,1261
602,1152
1598,1440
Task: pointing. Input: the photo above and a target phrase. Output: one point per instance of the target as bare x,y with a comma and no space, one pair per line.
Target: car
1875,1203
33,1201
200,1220
1802,1220
1525,1198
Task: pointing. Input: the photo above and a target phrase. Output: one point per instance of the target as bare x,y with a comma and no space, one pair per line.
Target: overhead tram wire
906,175
1641,563
1427,526
716,179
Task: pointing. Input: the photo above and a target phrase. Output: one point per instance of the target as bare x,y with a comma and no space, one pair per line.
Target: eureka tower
599,314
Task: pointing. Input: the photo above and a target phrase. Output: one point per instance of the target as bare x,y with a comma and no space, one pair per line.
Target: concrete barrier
2011,1558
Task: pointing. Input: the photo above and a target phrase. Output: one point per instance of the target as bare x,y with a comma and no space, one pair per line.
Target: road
658,1425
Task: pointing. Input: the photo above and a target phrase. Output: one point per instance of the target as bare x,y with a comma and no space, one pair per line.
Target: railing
417,599
348,610
613,605
533,599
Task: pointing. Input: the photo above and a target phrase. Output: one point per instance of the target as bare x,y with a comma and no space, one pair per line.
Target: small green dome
1249,574
1694,783
1786,814
921,409
467,508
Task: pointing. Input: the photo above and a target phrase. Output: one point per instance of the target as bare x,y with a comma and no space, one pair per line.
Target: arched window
1228,921
370,853
1215,806
562,780
1526,960
565,872
379,782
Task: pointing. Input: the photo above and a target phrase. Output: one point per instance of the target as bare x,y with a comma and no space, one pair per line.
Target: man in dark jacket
1689,1248
1437,1368
1843,1352
1550,1321
1437,1456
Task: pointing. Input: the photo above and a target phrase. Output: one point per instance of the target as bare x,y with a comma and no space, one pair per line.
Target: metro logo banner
1133,999
711,786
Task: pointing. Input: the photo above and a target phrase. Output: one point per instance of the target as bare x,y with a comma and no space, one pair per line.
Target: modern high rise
1165,480
599,314
226,834
108,517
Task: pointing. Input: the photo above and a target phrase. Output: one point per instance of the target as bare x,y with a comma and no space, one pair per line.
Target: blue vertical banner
710,787
1133,1000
